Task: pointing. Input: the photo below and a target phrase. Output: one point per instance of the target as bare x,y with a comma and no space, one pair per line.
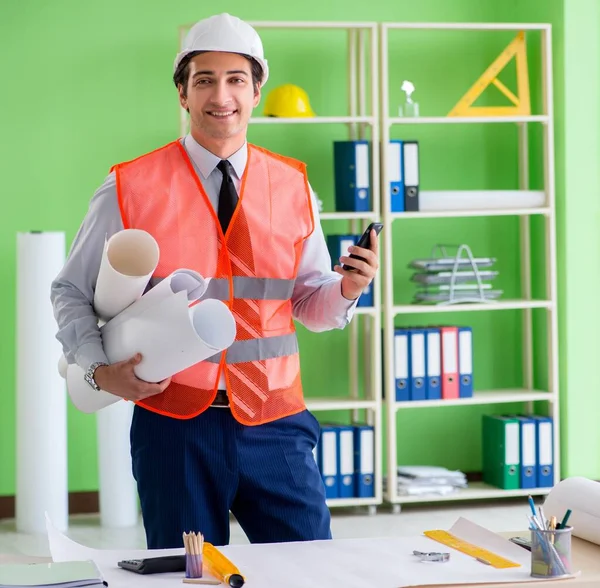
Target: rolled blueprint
582,497
128,261
169,334
41,410
171,337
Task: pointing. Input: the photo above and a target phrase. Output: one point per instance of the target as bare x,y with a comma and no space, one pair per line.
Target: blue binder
345,460
545,450
352,176
528,444
434,364
410,160
396,175
364,461
418,363
366,298
465,362
338,246
402,364
327,454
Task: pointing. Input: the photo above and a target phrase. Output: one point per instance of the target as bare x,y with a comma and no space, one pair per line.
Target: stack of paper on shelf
432,480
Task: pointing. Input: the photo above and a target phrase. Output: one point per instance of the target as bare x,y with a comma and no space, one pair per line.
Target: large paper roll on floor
41,399
582,497
118,491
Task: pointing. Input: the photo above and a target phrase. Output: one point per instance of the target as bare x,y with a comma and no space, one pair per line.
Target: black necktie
227,196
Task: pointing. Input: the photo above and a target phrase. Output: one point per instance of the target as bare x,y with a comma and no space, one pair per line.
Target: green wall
581,113
88,84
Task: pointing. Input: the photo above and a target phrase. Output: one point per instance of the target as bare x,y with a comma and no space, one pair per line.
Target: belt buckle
221,400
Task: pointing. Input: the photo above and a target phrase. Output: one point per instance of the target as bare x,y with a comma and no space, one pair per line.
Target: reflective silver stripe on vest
256,349
252,288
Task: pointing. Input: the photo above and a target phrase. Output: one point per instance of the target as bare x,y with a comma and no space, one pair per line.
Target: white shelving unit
363,51
527,394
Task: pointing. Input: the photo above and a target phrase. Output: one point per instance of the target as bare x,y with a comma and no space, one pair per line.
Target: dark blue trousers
191,473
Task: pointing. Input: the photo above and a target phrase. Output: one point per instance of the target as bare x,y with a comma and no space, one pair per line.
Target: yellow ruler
516,48
479,553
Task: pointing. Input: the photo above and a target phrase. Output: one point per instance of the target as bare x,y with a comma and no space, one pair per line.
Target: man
231,433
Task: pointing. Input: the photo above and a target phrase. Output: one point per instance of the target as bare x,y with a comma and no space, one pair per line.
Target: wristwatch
89,375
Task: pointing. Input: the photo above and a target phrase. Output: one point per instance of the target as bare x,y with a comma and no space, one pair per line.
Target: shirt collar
206,161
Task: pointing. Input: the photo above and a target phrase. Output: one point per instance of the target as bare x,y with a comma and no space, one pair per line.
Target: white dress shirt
317,300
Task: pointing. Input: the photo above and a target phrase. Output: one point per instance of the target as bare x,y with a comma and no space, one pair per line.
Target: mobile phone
364,243
154,565
521,542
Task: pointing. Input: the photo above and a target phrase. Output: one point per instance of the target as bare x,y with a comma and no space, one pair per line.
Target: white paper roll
63,366
128,262
118,491
41,477
582,496
170,336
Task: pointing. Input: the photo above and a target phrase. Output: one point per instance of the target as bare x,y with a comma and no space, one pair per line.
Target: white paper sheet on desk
64,549
385,562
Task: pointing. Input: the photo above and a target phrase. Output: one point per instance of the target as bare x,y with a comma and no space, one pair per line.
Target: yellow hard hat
288,101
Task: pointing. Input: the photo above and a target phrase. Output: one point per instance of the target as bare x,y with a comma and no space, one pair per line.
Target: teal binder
501,451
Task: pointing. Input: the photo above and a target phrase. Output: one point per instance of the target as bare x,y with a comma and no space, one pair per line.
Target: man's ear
182,98
257,96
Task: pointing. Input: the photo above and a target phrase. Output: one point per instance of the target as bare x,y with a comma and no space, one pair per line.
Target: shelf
348,216
476,491
312,24
316,404
272,120
474,26
331,502
483,397
465,213
365,310
471,306
434,120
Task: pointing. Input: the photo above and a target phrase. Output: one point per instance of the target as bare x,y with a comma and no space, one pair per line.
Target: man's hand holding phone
359,268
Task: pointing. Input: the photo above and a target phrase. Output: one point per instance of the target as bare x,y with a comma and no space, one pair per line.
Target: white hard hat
224,32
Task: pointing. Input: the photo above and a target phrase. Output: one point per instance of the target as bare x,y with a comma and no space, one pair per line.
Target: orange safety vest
253,269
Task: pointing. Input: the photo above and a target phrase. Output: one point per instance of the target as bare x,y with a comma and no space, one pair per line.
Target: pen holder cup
193,565
551,553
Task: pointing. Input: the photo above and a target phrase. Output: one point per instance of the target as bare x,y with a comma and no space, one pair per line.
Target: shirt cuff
88,354
349,306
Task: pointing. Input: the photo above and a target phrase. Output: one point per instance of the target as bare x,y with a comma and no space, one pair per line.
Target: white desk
586,558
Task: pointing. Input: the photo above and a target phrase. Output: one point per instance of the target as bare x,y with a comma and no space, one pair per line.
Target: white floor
507,515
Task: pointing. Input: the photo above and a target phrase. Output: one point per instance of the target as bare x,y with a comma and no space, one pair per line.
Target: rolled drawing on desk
581,496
